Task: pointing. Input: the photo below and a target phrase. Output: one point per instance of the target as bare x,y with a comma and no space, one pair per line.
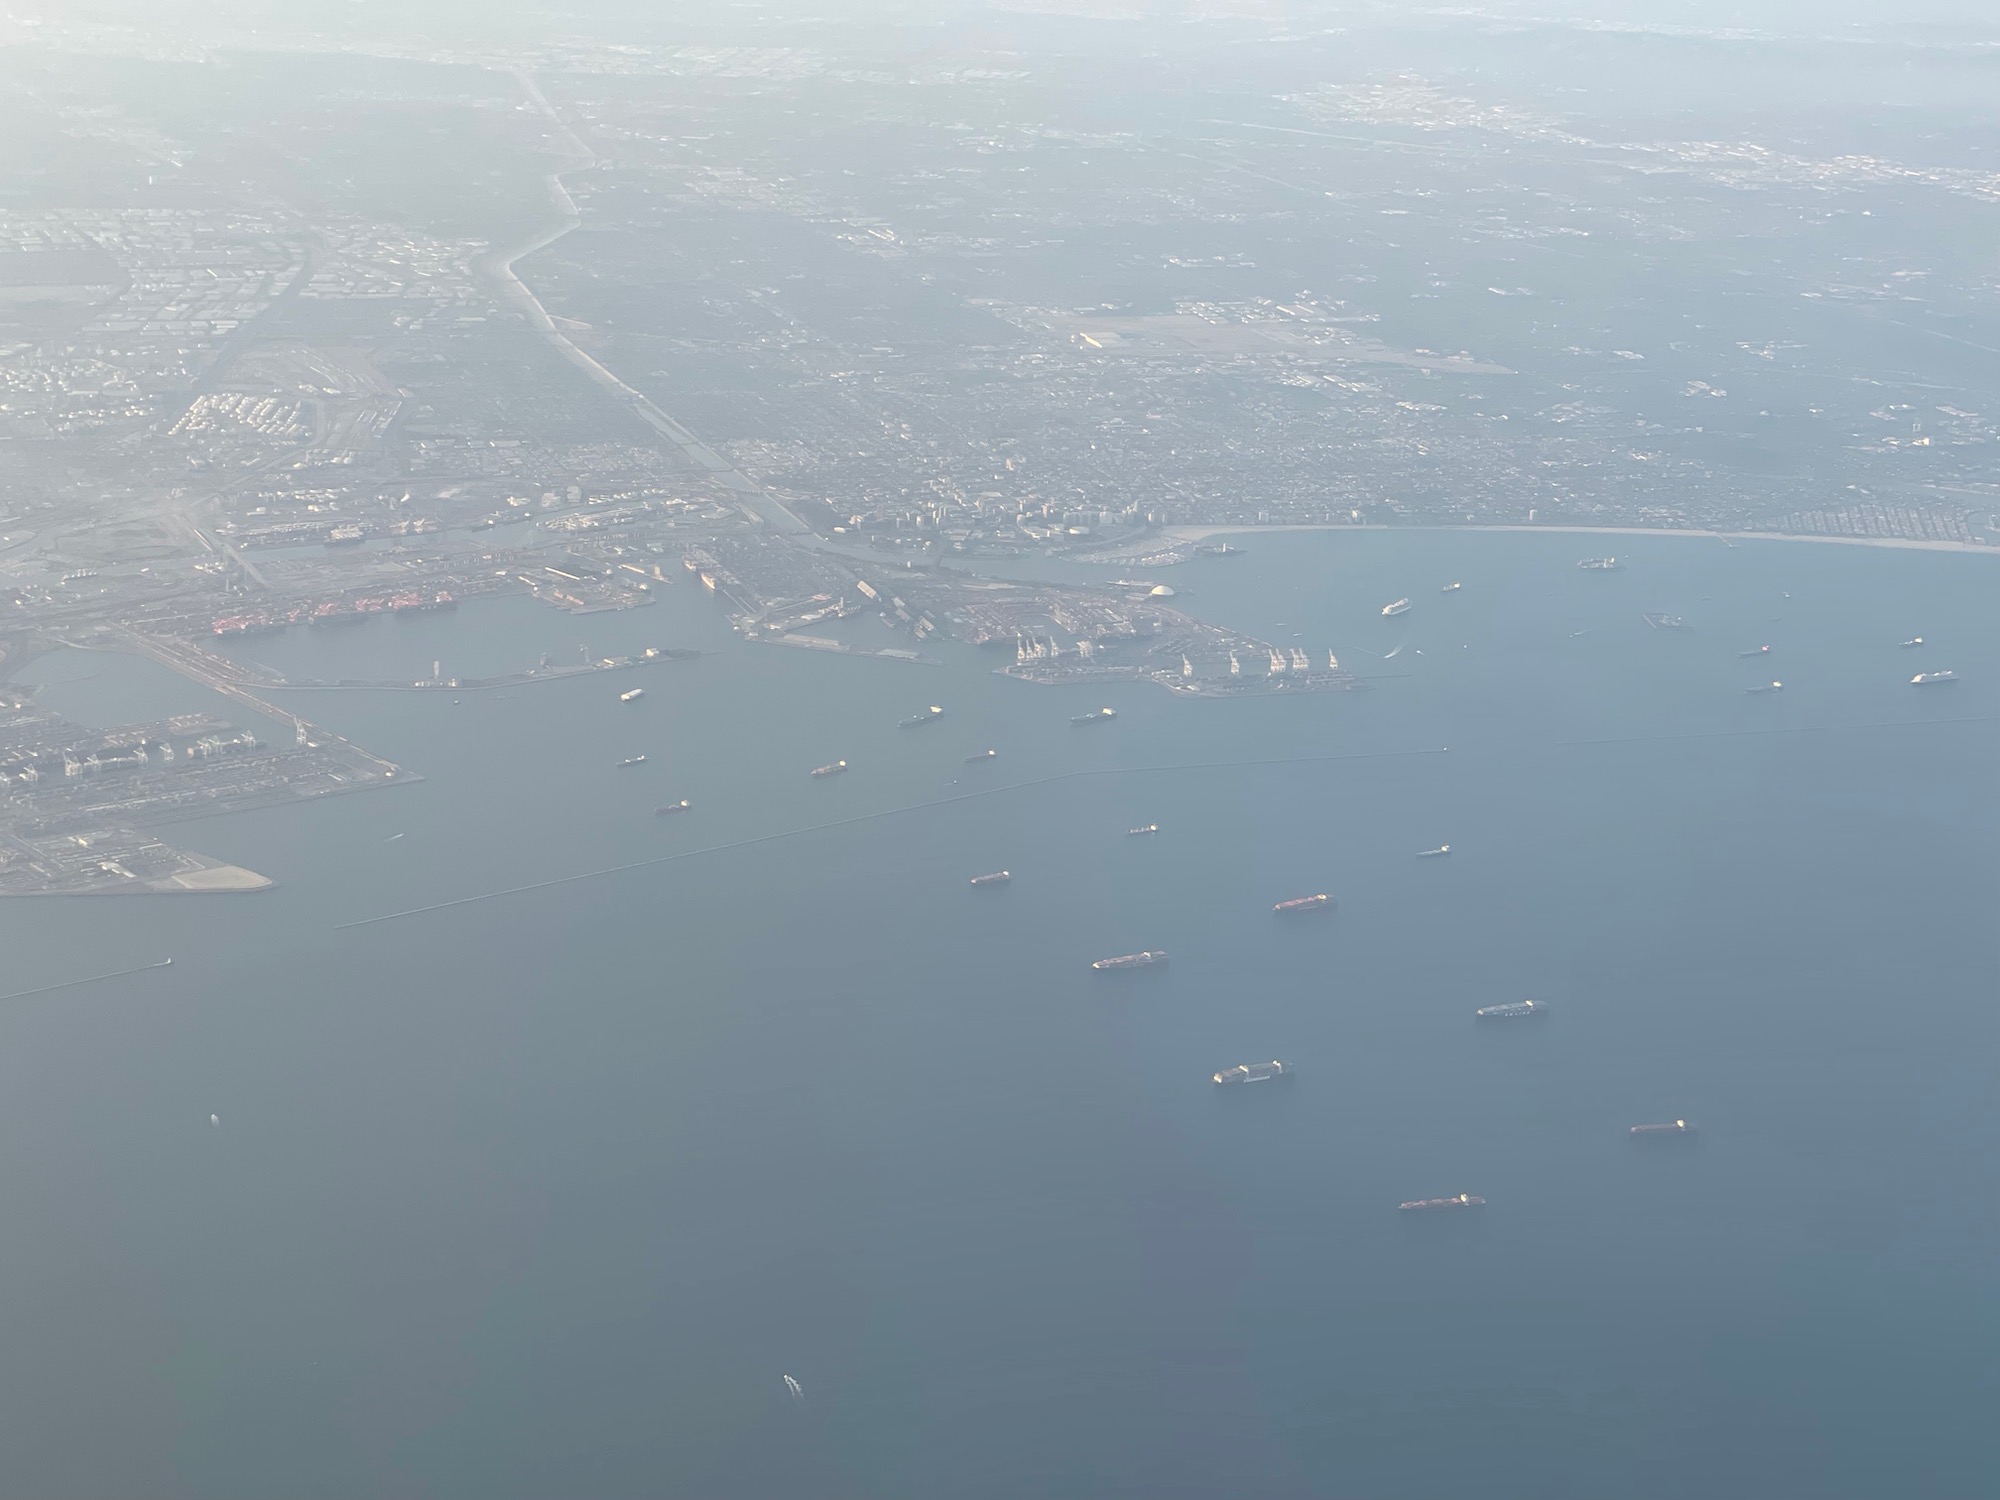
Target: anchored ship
1932,679
1773,686
998,877
1437,853
1754,651
933,712
1130,961
1512,1011
1252,1072
1460,1200
982,755
1142,830
1304,903
1451,588
631,695
631,760
1913,642
1095,716
831,770
1400,607
1599,564
1669,1127
1666,622
669,809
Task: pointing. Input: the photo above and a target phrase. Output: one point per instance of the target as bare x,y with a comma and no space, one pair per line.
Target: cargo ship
1599,564
1252,1072
1773,686
1666,622
1753,651
1933,679
1130,961
830,770
631,695
1437,853
1451,588
1669,1127
1095,716
671,808
1514,1010
973,760
1460,1200
631,760
933,712
1142,830
1317,902
998,877
1400,607
1912,643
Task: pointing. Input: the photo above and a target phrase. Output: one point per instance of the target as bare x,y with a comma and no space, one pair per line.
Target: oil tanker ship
973,760
1144,960
1459,1200
1667,1127
1514,1010
1262,1072
833,769
1437,853
1318,902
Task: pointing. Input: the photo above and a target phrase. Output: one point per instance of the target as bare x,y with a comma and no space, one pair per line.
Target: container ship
1451,588
1142,830
631,695
1514,1010
1253,1072
671,808
1912,643
1668,1127
1318,902
1666,622
998,877
1400,607
830,770
1095,716
1438,853
1460,1200
929,714
1599,564
973,760
1933,679
1130,961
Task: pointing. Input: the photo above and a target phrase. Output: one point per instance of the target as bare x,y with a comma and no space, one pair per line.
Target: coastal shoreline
1195,534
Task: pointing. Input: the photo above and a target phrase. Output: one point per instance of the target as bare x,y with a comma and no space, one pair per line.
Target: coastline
1193,534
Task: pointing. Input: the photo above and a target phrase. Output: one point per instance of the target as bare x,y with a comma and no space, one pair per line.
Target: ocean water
544,1194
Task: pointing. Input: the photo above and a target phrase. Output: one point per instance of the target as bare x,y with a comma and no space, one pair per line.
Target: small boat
631,760
833,769
973,760
671,808
1142,830
1442,849
998,877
